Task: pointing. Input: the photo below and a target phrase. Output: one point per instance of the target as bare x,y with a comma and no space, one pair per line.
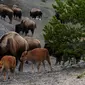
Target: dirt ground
60,75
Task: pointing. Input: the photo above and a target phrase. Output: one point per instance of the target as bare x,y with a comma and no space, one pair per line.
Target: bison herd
15,12
13,45
15,48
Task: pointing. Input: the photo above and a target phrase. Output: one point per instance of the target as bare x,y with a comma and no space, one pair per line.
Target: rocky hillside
60,75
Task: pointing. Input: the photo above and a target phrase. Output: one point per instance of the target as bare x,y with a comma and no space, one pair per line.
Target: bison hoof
8,77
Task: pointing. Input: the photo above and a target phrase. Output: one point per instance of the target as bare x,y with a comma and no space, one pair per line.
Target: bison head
23,56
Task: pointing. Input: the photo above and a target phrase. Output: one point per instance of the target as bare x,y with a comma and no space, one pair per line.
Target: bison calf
36,55
7,63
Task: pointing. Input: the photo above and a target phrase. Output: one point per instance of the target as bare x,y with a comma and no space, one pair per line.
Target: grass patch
81,76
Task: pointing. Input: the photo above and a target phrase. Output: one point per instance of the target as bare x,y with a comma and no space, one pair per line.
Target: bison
17,12
6,11
25,25
34,13
12,44
7,63
36,55
32,42
18,28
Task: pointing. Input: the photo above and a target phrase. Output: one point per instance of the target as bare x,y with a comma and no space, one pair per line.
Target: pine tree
67,37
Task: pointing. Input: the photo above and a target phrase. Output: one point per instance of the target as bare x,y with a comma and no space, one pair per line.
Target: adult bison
12,44
6,11
1,8
26,25
32,42
18,28
17,12
36,13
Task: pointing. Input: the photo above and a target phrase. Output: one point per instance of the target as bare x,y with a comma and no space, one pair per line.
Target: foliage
66,38
43,0
71,10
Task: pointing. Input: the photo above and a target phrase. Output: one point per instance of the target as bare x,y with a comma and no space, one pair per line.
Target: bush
65,38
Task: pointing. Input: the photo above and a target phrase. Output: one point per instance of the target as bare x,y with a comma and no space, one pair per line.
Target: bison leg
21,66
59,59
43,64
32,30
10,18
12,73
48,60
26,31
27,62
10,22
56,62
4,76
38,67
5,71
32,67
20,16
3,16
9,75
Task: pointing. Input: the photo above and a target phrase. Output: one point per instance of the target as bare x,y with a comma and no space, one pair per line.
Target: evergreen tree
67,38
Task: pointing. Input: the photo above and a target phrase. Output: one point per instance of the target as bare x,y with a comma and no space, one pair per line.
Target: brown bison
17,12
1,9
36,13
3,5
6,11
18,28
12,44
37,55
7,63
25,25
33,43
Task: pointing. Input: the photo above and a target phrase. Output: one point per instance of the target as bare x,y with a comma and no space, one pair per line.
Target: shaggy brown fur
12,44
17,12
27,25
6,11
33,43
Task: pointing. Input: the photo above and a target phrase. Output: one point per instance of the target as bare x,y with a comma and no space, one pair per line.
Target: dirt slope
58,76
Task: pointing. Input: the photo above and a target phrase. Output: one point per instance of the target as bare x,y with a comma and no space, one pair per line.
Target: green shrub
66,38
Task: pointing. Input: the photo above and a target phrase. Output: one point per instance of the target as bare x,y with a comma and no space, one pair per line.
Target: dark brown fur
17,12
27,25
36,13
6,11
